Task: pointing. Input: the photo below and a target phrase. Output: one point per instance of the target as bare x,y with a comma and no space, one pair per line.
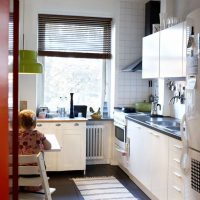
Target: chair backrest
27,171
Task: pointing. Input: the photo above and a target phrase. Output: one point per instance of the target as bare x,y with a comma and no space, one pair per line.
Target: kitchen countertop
146,120
67,119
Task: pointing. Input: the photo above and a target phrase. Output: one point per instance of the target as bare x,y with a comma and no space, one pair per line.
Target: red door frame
4,70
4,20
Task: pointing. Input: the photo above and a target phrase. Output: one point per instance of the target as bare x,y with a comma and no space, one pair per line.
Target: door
150,54
4,13
171,51
140,153
192,179
73,147
159,164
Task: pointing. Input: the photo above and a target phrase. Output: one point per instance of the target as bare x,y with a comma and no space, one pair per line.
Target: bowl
95,116
143,107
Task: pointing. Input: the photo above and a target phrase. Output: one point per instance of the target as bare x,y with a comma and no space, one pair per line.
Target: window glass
82,76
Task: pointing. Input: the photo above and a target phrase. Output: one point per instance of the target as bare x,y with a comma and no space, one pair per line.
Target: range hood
135,66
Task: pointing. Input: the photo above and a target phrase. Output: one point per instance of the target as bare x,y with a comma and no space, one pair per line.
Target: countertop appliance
190,126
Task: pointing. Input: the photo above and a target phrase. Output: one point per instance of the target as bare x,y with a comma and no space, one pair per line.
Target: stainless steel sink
166,124
173,128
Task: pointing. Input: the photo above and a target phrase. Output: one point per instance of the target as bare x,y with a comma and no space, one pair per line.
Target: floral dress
30,142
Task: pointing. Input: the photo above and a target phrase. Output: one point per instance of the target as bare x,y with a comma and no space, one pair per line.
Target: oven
120,130
120,137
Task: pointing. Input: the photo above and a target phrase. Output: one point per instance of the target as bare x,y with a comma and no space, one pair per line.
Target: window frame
106,56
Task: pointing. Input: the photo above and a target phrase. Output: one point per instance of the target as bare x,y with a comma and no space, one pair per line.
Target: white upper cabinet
164,53
172,51
150,53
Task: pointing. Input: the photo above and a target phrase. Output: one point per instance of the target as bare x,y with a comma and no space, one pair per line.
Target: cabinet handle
58,124
39,124
155,134
177,174
176,188
177,146
76,124
176,160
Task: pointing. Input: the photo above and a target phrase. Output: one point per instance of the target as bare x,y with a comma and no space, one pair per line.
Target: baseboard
139,184
97,161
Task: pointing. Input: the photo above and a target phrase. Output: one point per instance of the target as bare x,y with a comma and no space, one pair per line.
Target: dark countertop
147,121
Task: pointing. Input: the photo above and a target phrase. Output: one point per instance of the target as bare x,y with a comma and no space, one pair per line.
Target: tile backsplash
130,87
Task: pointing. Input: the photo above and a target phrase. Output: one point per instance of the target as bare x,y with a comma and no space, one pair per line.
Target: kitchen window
76,53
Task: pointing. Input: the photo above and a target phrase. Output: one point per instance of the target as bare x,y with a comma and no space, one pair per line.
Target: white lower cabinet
139,153
159,164
148,159
73,153
71,137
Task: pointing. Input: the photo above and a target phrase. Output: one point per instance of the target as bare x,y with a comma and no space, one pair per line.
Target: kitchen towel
101,188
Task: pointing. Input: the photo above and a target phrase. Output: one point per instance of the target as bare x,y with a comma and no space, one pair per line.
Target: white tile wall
178,109
130,87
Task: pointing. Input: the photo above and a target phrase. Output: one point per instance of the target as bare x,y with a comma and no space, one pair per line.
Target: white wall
128,20
179,8
130,87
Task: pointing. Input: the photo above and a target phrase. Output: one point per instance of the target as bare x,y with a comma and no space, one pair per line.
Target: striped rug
99,188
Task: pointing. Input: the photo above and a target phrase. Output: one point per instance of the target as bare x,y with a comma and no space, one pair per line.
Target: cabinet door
159,164
171,51
150,56
140,153
50,157
72,155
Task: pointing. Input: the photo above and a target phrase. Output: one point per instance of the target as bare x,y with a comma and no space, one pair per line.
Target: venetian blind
10,34
74,36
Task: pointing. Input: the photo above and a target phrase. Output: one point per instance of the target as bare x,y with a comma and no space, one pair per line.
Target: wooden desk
54,143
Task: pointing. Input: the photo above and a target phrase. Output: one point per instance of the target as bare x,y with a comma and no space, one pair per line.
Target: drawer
176,178
175,145
174,159
63,125
74,125
175,193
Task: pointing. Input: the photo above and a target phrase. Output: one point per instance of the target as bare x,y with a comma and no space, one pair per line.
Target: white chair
29,170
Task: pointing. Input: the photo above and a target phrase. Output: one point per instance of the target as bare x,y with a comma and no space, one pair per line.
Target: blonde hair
27,119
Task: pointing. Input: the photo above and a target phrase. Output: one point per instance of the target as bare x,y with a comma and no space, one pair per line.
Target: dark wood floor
66,189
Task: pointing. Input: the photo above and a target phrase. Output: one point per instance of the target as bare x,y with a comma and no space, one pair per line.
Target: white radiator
94,142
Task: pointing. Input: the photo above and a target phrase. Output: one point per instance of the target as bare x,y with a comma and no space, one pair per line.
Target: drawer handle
178,146
176,160
154,134
58,124
176,188
39,125
177,174
76,124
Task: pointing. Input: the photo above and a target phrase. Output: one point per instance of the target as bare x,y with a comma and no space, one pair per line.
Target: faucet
154,106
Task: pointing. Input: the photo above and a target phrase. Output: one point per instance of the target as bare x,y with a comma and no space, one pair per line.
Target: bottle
105,109
71,114
151,98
